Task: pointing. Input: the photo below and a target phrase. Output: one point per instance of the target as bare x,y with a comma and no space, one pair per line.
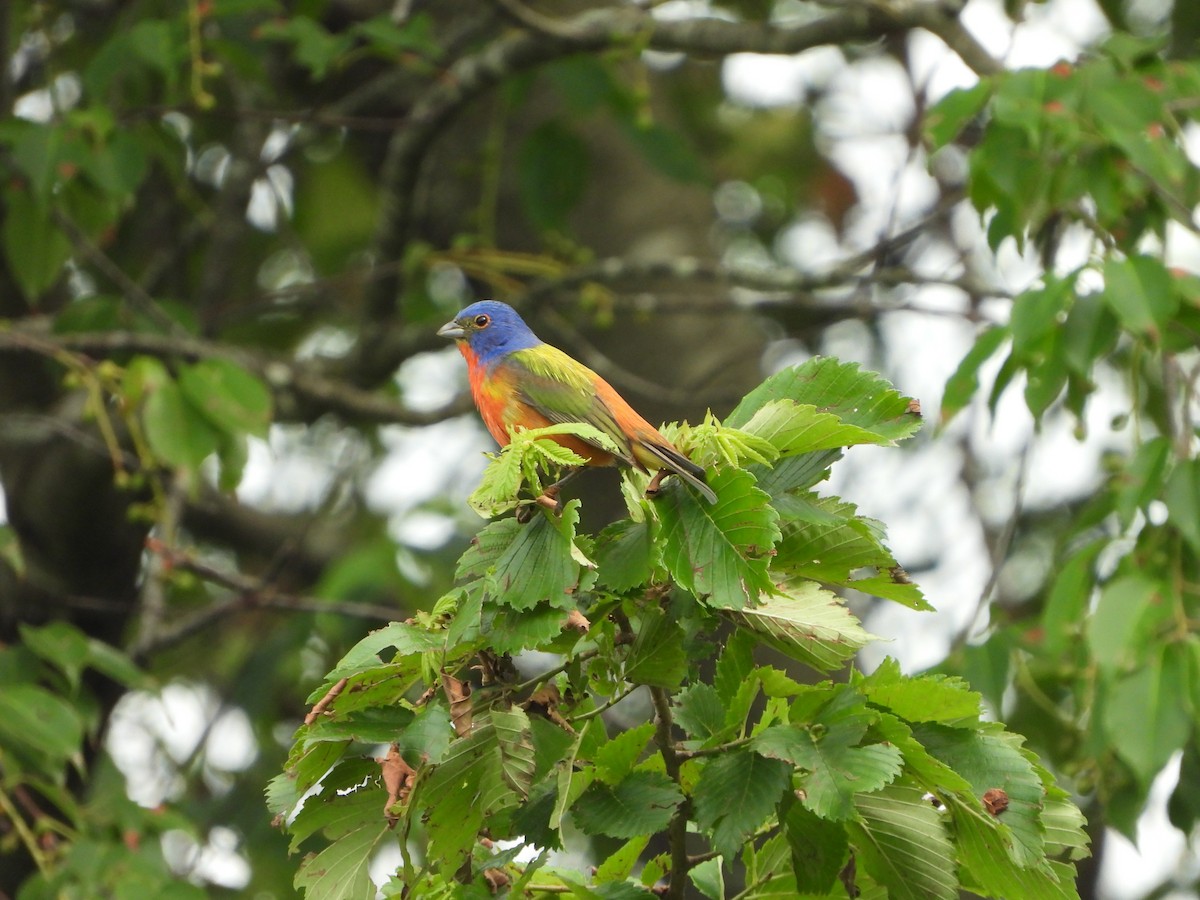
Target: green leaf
488,771
229,397
405,638
176,431
699,712
962,386
1147,714
825,539
643,803
708,878
1064,615
719,552
984,843
902,843
619,864
1037,314
838,768
627,553
616,758
1129,610
793,428
342,870
1183,501
657,657
923,698
1140,292
819,846
860,399
314,46
737,792
36,249
524,565
666,150
806,623
950,115
552,172
60,644
42,727
989,759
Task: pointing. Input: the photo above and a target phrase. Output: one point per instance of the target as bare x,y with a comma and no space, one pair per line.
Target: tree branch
595,30
301,393
247,594
677,830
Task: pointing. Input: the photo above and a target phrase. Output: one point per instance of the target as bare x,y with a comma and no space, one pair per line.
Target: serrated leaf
794,473
902,843
342,870
525,565
923,698
825,539
508,630
719,551
737,792
405,638
860,399
616,758
818,846
657,657
806,623
708,878
793,428
838,767
699,712
487,771
619,864
642,803
627,553
983,849
991,759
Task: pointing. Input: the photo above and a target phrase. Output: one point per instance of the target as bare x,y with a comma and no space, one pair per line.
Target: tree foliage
229,230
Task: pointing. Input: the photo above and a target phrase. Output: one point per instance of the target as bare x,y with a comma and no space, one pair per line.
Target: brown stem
677,830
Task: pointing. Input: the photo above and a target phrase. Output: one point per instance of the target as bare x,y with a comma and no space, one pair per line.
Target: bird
517,380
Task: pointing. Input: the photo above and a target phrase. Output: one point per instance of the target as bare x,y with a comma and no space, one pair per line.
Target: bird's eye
483,321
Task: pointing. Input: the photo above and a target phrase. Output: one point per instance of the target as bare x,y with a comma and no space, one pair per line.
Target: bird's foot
547,499
655,484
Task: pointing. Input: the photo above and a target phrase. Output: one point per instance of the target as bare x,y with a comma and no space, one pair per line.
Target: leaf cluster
884,782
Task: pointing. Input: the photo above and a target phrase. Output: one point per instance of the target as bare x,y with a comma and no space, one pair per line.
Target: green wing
564,390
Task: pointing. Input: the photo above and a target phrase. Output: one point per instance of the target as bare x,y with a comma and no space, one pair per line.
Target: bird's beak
452,330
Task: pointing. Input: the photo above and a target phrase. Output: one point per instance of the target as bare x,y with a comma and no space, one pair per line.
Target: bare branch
247,594
471,76
301,393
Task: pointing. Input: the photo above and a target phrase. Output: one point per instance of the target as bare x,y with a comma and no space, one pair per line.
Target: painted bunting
517,380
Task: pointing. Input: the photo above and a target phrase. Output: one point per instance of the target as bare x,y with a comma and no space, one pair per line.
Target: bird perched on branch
519,381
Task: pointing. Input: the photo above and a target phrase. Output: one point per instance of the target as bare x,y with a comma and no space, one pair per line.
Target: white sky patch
151,736
1129,871
761,80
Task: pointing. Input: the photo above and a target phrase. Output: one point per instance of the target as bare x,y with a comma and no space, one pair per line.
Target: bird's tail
680,465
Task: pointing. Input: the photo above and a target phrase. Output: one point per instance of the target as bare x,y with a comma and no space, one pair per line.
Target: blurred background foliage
230,442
